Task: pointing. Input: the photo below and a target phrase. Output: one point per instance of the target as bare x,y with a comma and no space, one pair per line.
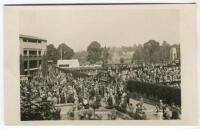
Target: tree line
151,51
94,54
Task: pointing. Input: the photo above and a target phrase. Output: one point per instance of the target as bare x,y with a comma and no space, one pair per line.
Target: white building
31,51
74,63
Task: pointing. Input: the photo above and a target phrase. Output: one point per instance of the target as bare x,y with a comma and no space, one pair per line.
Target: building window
25,40
25,72
40,62
25,65
25,53
32,40
39,52
33,53
33,64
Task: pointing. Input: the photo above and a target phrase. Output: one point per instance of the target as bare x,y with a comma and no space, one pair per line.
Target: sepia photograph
99,62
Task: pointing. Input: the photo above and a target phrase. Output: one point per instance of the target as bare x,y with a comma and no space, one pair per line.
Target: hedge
158,91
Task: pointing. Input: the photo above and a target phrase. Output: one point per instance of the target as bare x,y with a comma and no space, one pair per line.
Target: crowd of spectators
165,74
84,92
91,93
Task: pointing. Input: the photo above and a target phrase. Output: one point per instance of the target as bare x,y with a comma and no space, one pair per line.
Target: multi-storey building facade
32,50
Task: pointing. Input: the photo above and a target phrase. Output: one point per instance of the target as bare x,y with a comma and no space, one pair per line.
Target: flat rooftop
31,37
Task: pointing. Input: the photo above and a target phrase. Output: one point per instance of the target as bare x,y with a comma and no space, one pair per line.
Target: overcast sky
78,26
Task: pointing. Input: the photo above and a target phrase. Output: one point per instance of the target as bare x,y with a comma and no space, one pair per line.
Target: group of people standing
165,74
88,93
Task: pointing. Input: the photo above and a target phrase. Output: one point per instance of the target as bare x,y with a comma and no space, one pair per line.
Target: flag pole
61,53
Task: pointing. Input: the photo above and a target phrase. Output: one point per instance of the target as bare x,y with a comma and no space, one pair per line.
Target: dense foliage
51,52
64,52
94,52
153,52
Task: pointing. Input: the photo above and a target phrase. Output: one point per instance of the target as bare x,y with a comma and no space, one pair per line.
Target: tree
138,55
105,55
165,51
64,52
94,52
151,51
154,52
51,52
81,56
121,60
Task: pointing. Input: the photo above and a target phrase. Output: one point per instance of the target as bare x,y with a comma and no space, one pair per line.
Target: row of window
32,64
32,53
32,40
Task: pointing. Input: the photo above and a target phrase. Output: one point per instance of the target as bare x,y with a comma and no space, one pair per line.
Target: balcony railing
31,69
30,57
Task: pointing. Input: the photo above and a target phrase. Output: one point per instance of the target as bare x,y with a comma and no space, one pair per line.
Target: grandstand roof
31,37
71,63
